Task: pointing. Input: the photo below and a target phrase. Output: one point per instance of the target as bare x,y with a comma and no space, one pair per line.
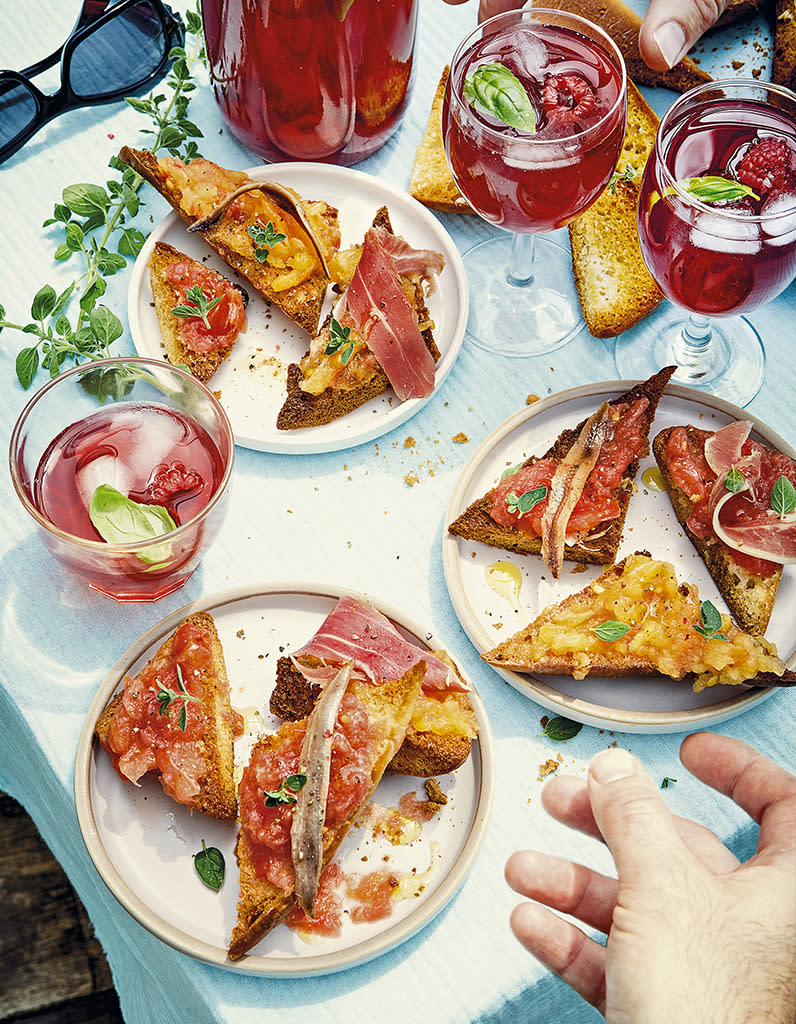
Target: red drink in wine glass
533,122
717,227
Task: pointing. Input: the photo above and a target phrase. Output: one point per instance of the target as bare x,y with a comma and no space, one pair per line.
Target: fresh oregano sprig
167,696
95,221
196,304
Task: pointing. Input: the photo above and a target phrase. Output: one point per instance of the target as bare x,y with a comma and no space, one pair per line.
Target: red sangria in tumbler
311,79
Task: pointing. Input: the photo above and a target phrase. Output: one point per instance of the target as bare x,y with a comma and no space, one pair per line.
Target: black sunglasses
114,50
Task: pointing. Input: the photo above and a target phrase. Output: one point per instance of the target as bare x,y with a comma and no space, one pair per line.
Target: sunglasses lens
18,110
119,54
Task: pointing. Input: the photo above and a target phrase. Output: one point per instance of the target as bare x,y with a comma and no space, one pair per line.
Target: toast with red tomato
174,719
733,497
302,790
275,239
378,337
571,503
200,313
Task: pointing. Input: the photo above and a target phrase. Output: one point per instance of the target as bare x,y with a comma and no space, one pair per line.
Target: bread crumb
409,442
411,479
460,438
548,767
531,399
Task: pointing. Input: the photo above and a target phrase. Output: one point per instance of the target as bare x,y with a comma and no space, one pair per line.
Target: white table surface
60,639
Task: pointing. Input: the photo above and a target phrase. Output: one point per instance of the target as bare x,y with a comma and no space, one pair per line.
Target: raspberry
566,98
766,165
170,480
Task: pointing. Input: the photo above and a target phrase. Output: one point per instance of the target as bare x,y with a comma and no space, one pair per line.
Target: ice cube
780,229
530,53
725,234
105,469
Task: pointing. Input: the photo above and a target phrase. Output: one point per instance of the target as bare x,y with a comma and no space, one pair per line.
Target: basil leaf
500,93
715,189
120,520
561,729
734,480
210,866
783,496
611,629
710,616
525,502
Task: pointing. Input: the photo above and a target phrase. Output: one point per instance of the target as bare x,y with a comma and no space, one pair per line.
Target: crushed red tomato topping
226,319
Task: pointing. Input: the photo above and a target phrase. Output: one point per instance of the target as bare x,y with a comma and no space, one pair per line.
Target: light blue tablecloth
59,639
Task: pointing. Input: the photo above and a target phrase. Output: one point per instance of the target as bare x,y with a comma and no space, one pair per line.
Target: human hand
692,933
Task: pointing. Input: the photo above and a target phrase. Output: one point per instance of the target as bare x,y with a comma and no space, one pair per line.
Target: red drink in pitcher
536,178
311,79
722,240
151,454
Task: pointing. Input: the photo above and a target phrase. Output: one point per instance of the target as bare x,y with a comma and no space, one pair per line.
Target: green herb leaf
265,238
511,470
196,304
210,866
166,697
627,175
734,480
561,729
710,622
667,782
120,520
286,793
783,497
499,92
525,502
611,629
714,189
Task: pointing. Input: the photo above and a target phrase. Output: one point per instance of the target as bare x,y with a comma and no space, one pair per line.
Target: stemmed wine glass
533,122
717,227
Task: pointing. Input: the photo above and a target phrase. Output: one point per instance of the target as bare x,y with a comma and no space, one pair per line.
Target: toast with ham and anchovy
174,719
303,788
443,724
378,337
730,494
200,313
571,503
636,619
278,241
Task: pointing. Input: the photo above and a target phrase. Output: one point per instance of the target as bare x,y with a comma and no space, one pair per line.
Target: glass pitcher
311,79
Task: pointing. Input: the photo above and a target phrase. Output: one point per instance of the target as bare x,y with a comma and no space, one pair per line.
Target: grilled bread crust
302,303
749,597
421,754
475,523
263,905
217,795
431,181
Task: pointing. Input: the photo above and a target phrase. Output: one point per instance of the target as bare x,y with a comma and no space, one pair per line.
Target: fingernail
670,40
611,764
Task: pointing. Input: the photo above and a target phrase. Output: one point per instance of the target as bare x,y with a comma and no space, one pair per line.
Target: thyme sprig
95,221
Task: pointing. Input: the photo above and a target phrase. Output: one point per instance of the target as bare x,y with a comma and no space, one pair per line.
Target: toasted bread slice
783,64
194,763
749,596
614,286
301,409
637,620
170,293
476,522
431,181
439,736
623,25
263,904
198,188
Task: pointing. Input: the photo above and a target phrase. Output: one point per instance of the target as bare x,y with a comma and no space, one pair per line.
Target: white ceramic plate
142,843
251,381
632,704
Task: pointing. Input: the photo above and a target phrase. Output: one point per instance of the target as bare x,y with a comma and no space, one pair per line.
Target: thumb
671,27
632,816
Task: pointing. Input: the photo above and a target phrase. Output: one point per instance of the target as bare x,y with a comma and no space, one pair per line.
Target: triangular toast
301,409
195,189
192,756
263,904
476,522
749,595
170,294
636,619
